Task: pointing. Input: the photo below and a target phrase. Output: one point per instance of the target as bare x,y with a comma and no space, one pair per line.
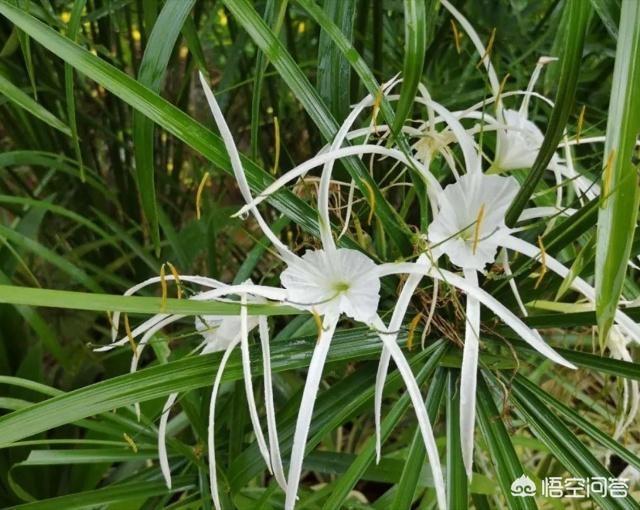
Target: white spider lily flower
518,143
219,333
334,282
469,225
470,228
345,284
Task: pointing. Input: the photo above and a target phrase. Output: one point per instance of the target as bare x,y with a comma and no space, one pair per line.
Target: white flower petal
213,477
468,376
529,335
305,413
397,317
248,386
162,436
274,446
333,282
238,169
420,410
470,224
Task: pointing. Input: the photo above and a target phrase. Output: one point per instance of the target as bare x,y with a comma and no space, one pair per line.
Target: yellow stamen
127,328
543,261
375,110
607,177
130,442
456,36
201,186
412,329
487,52
372,201
276,159
503,83
580,122
163,286
476,231
110,319
176,277
318,321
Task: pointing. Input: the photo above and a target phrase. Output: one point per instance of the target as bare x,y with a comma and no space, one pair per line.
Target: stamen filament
276,156
163,286
543,261
201,186
412,329
487,52
130,442
127,329
476,231
176,277
580,122
456,35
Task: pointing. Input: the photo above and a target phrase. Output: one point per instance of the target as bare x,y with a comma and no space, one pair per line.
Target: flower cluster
467,234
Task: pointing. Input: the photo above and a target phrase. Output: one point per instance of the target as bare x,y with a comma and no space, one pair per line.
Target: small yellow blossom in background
65,17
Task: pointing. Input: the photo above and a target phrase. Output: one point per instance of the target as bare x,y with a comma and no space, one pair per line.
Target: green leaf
571,60
53,258
419,20
72,33
565,446
333,68
178,376
129,304
503,455
602,364
456,477
410,477
116,493
592,430
620,194
153,67
22,100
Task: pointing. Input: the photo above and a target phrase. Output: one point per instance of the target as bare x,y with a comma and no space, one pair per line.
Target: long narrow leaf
620,193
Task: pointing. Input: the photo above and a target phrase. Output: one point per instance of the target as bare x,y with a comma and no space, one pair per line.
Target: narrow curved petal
469,375
529,335
305,413
420,410
204,281
211,447
397,317
162,439
320,159
512,284
237,167
248,386
272,430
